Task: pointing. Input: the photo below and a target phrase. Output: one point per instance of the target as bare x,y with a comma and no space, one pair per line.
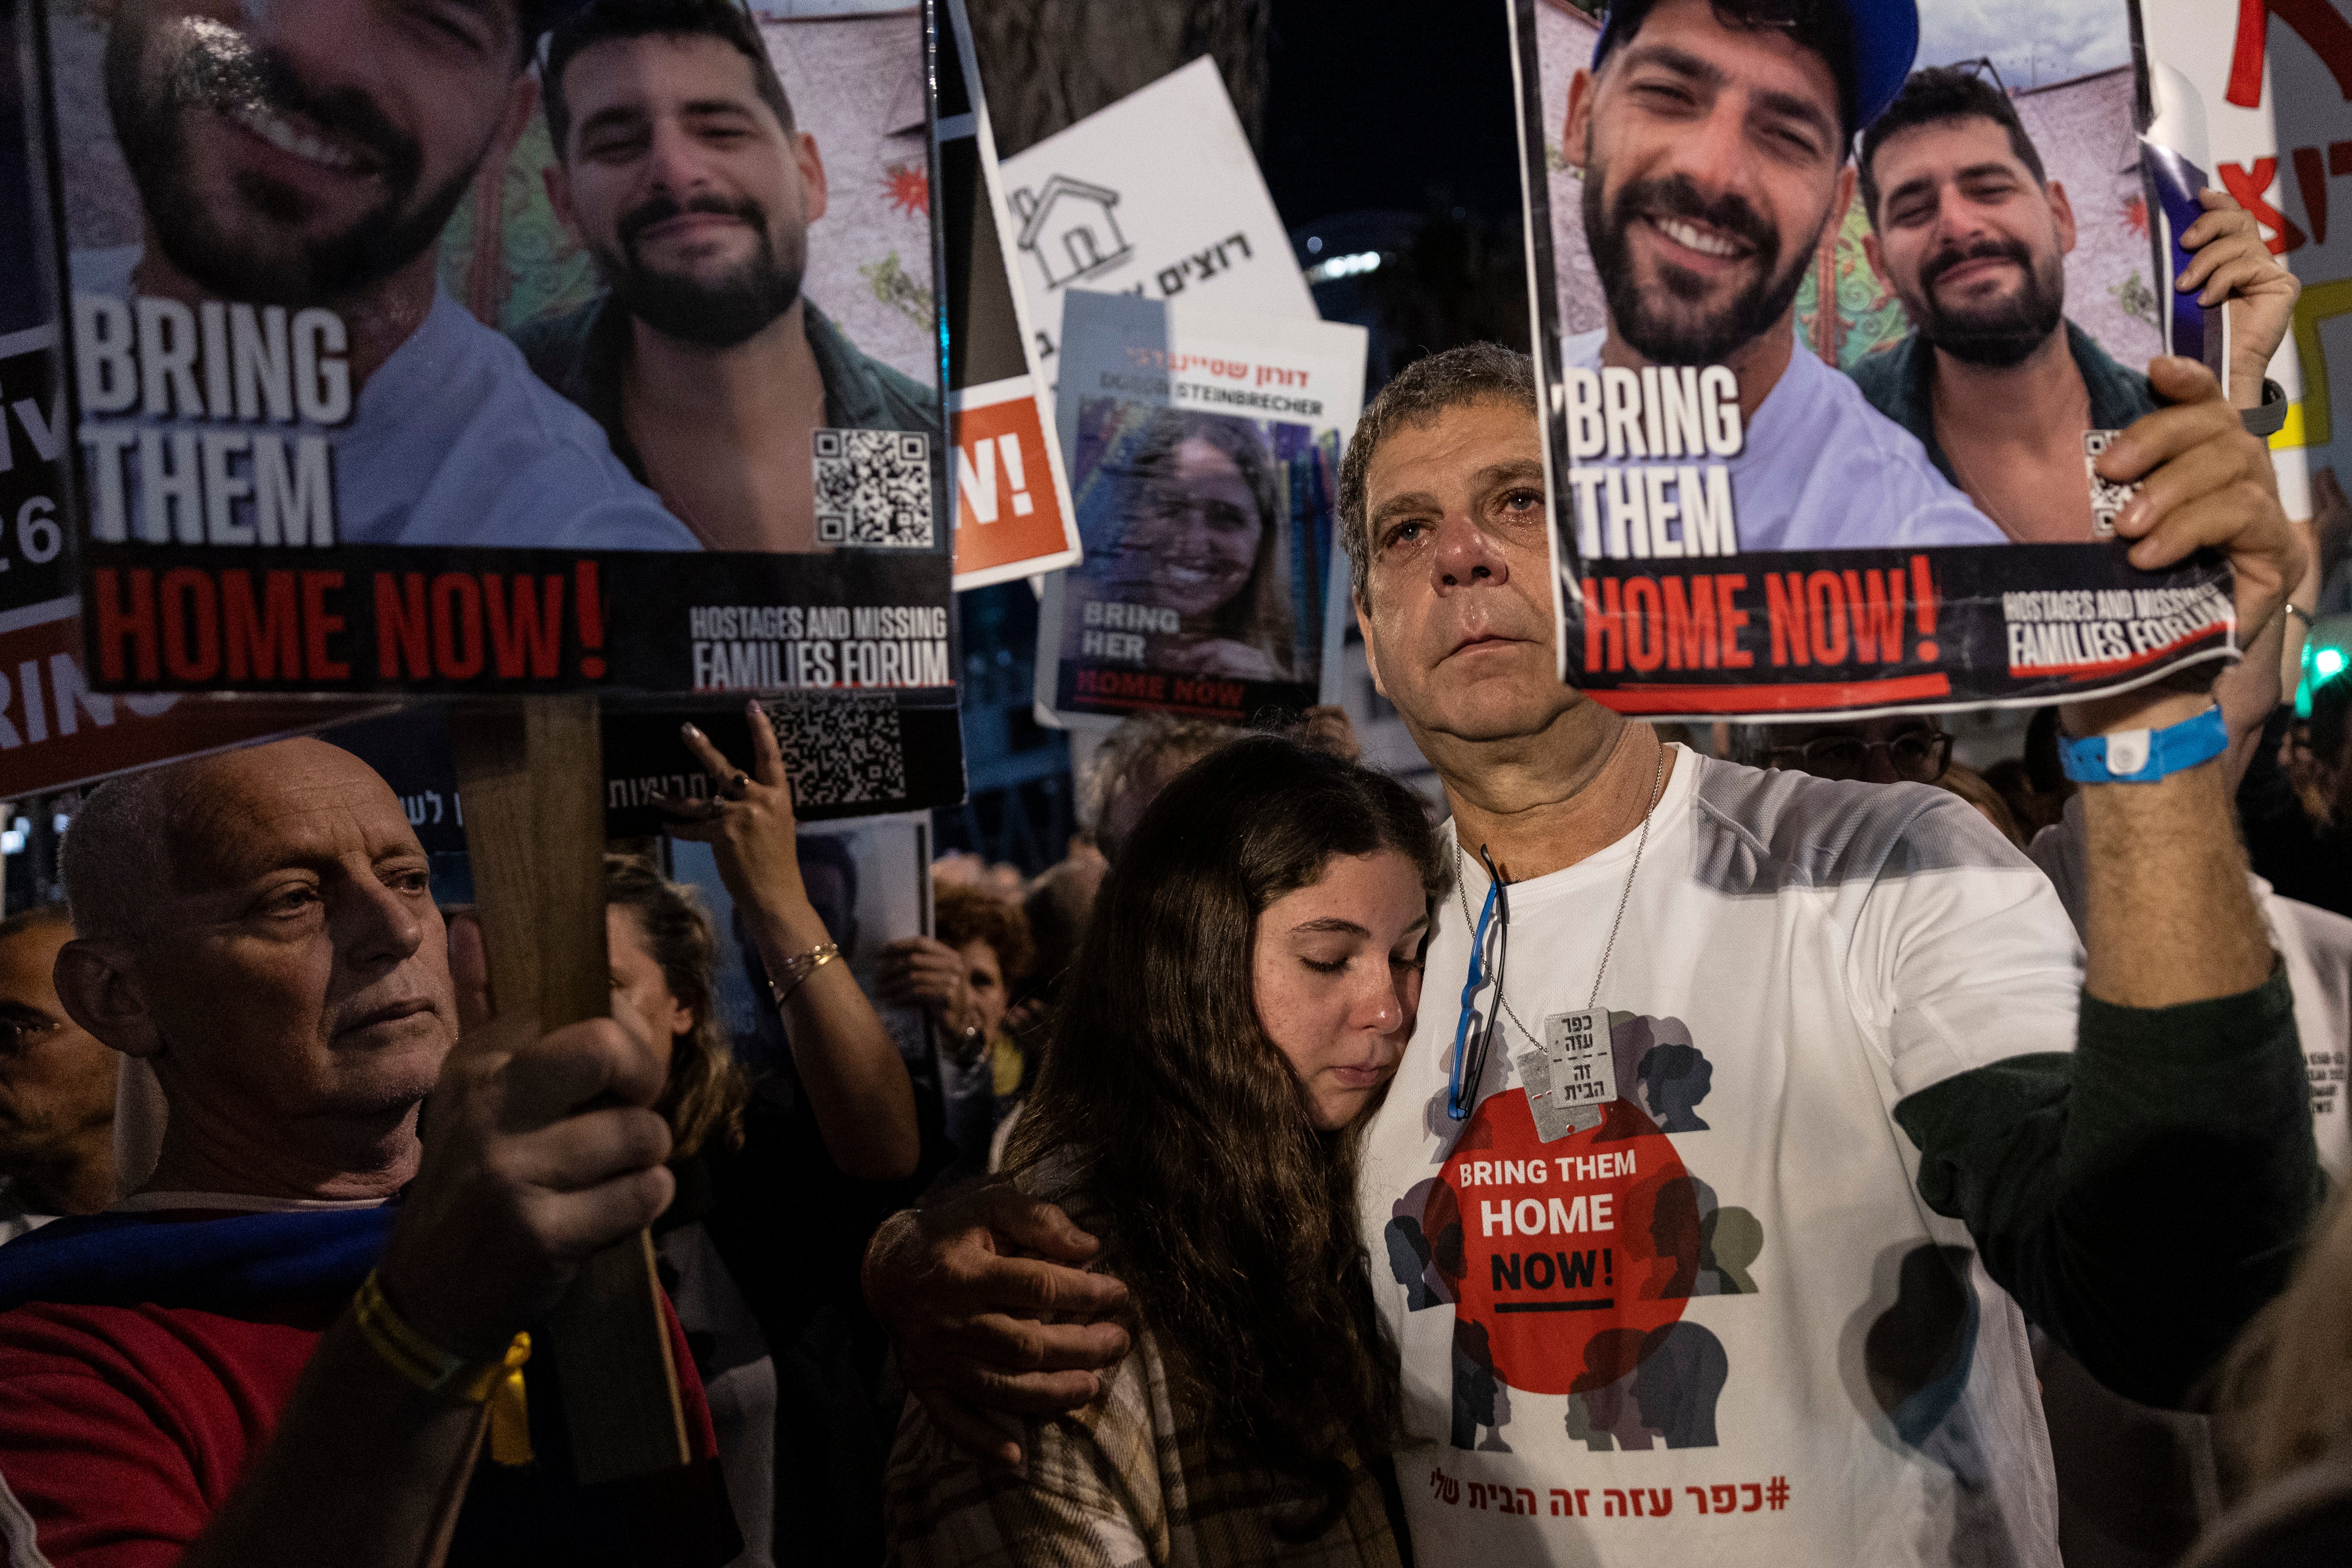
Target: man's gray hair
1475,372
116,858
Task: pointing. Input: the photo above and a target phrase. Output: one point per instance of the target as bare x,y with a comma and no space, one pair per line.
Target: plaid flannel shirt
1132,1479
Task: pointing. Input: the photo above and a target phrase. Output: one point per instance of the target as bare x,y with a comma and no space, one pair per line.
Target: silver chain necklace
1657,785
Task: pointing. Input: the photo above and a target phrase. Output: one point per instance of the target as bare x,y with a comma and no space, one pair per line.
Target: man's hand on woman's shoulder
987,1299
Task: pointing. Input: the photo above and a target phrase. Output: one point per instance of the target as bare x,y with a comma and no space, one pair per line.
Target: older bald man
191,1378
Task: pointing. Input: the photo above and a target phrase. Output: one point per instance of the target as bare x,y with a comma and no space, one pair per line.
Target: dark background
1382,126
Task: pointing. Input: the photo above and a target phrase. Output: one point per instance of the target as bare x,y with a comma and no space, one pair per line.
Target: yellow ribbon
511,1407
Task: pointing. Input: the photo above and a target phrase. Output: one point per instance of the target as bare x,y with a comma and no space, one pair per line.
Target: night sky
1401,105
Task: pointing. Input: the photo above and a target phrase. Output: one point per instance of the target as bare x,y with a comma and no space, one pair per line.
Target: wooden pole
531,782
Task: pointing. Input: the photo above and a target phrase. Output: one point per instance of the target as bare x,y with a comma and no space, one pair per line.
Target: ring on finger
737,787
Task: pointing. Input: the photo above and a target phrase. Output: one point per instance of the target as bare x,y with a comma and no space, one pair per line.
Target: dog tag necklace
1570,1072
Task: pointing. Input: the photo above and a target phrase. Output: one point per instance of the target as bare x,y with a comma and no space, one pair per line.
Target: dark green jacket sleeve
2143,1197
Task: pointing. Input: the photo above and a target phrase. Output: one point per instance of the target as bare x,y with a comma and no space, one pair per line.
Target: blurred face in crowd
1191,543
984,973
642,999
1712,158
1335,973
295,967
57,1081
1877,751
685,187
1457,616
298,152
1972,244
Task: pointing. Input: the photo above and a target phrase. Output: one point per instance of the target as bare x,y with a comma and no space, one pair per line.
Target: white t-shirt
1721,1326
1820,470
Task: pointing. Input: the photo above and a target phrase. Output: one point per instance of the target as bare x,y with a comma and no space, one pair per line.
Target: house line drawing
1070,228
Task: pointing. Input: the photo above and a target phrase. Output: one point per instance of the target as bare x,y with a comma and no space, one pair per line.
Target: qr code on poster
873,487
841,748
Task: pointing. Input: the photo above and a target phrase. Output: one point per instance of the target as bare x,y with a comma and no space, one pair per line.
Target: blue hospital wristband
2144,756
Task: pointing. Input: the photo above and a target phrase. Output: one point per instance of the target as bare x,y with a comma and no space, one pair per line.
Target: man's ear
1577,126
812,164
95,987
1872,249
2063,210
1371,652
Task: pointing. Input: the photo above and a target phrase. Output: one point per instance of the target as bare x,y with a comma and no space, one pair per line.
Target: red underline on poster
2118,666
1772,699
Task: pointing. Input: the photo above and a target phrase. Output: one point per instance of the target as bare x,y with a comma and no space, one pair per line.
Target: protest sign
1013,497
55,731
1204,458
2262,100
1157,196
1765,504
376,390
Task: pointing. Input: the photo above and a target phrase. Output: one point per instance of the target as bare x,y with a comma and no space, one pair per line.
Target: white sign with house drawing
1156,195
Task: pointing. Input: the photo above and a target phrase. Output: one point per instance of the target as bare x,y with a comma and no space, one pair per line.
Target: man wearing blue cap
276,362
1713,138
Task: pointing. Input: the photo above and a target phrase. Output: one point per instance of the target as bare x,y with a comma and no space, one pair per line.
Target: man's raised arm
2143,1197
518,1185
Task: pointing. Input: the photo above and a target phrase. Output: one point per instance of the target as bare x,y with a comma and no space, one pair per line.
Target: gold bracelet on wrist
418,1360
799,967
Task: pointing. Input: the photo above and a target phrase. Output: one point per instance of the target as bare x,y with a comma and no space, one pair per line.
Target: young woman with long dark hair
1243,997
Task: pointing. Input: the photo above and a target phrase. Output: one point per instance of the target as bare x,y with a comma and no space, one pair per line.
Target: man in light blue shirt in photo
277,364
1713,136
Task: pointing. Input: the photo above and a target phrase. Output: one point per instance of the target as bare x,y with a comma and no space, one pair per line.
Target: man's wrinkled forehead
1462,447
299,802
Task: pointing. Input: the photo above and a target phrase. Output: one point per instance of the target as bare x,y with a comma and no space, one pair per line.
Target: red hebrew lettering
2248,186
2317,22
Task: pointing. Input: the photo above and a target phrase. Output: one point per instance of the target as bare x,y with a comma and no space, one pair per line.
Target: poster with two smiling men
505,346
1838,301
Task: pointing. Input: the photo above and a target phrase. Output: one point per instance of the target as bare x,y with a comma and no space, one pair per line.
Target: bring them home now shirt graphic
1722,1317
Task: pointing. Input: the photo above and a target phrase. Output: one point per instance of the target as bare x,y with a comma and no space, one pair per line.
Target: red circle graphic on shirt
1572,1252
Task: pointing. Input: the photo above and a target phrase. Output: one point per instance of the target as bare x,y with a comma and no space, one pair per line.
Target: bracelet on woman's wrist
799,967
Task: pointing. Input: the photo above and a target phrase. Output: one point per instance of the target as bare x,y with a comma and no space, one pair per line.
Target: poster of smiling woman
1842,302
1204,457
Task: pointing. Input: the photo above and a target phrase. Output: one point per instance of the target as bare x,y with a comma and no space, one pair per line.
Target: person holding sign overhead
261,1357
1864,1106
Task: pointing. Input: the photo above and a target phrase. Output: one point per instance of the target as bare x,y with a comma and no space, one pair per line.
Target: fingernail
2133,516
689,731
